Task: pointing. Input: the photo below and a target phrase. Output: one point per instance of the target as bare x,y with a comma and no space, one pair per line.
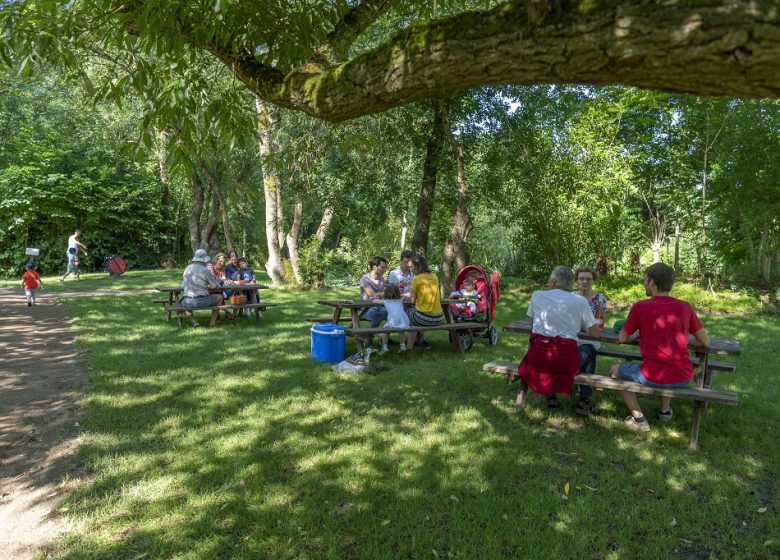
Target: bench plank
227,307
699,396
633,356
442,327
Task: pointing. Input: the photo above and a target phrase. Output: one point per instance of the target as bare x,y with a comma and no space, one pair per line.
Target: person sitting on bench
425,294
664,324
552,361
197,282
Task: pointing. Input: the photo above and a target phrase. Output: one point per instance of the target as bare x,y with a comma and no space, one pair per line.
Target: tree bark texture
455,255
422,226
216,188
322,230
720,47
292,241
271,186
197,212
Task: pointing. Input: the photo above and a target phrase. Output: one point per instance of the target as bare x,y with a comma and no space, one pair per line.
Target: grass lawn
232,443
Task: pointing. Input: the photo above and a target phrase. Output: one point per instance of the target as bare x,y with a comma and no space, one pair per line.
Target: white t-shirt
396,314
397,277
72,244
560,313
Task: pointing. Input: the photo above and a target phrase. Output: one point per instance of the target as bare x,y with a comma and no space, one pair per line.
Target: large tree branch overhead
727,47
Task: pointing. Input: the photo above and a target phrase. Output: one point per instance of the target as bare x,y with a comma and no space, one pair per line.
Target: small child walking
31,280
396,315
73,265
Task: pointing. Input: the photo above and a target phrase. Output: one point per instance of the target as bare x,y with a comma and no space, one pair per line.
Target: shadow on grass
233,443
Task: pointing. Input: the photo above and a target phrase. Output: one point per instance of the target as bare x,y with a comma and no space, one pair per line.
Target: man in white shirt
552,361
74,243
403,275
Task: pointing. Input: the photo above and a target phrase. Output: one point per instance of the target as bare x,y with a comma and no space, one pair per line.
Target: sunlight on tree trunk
266,122
292,241
455,255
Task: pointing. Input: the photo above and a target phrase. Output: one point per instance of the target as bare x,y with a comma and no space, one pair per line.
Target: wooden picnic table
174,291
718,345
362,335
700,395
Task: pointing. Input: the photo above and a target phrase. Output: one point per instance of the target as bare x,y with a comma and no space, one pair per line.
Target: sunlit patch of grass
232,443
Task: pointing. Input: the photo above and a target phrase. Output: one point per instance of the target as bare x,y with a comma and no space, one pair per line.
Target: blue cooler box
327,342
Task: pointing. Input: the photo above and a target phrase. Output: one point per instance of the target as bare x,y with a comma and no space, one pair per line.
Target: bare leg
411,336
633,405
666,404
191,317
385,339
215,313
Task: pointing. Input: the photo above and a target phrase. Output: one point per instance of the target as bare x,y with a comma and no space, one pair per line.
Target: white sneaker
384,350
402,347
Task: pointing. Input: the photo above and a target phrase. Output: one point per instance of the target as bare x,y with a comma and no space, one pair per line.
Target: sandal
552,403
229,316
584,408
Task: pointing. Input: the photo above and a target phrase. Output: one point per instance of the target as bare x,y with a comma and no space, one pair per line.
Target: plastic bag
356,362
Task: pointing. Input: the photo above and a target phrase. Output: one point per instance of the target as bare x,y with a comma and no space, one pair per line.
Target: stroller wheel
492,336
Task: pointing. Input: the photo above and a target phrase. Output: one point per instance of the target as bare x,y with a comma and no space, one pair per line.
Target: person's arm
80,245
701,337
595,331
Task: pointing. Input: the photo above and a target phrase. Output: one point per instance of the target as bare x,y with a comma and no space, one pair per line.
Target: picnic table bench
701,394
460,332
171,305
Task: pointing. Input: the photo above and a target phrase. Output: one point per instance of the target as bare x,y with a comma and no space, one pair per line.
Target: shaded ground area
41,379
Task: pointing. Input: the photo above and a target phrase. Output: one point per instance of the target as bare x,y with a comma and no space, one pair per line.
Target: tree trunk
266,124
292,241
223,209
209,239
677,247
422,224
322,230
455,256
404,231
197,212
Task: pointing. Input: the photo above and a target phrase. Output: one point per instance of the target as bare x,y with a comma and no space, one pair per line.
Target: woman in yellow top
426,297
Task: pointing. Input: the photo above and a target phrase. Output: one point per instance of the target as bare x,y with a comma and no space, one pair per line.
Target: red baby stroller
489,291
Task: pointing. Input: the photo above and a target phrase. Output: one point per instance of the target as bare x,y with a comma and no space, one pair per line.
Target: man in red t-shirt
665,324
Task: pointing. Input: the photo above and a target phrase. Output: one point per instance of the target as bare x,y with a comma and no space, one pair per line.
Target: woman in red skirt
552,361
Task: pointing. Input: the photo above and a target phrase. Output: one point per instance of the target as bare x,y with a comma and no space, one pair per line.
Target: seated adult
231,268
217,268
198,281
666,325
552,361
372,285
425,294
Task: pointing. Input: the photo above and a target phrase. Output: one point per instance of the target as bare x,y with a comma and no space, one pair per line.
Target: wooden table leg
170,304
698,411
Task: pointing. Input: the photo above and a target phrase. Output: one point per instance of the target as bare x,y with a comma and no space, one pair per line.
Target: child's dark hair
392,292
241,259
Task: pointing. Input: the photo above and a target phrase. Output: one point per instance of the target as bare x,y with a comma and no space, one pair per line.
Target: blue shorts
196,302
630,372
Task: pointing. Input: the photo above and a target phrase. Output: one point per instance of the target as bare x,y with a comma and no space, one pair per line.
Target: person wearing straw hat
198,281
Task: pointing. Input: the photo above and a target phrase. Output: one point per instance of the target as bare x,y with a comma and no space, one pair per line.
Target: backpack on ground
114,265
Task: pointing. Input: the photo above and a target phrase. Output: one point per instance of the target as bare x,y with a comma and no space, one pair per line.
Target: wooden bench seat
363,335
635,356
345,319
227,307
699,396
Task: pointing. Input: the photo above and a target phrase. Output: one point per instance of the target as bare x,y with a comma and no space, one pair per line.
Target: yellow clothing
427,296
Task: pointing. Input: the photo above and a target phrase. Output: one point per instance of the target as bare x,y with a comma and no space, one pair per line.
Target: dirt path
41,380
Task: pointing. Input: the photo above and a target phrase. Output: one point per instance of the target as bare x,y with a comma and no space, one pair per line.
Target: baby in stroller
468,308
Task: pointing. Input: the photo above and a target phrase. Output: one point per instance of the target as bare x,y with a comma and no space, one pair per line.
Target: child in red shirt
31,280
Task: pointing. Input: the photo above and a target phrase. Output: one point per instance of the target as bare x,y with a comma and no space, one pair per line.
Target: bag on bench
238,298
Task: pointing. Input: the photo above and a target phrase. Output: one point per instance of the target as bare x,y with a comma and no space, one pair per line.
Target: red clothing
30,279
550,365
664,323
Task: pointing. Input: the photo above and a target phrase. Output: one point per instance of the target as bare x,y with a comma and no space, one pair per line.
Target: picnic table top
361,303
718,345
234,287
